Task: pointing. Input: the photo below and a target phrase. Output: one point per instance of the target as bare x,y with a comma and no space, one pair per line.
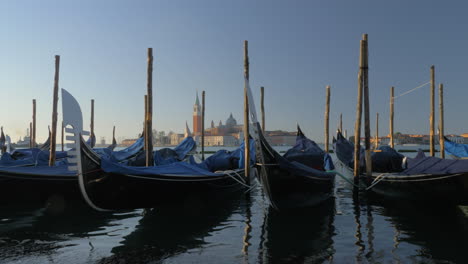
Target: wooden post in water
262,106
149,119
63,137
203,126
345,134
377,131
33,132
53,133
367,132
357,126
341,123
92,125
441,121
144,125
113,136
246,115
392,98
30,135
327,119
431,118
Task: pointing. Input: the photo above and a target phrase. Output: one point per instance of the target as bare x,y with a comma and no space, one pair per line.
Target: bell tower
197,118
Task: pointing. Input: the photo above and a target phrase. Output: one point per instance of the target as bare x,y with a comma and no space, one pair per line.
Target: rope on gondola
378,179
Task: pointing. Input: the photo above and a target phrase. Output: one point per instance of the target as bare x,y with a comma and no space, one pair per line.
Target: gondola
455,150
39,182
297,179
108,185
406,179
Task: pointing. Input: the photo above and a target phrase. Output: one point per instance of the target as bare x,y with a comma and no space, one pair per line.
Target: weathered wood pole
113,136
357,126
33,132
262,106
53,134
441,121
149,119
367,132
341,123
327,117
377,131
30,136
345,134
144,124
431,118
63,137
92,125
203,126
392,111
246,115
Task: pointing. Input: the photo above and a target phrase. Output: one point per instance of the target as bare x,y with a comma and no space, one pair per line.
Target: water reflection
171,230
298,236
30,230
427,233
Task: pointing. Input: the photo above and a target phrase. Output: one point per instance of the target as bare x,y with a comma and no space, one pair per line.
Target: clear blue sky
296,49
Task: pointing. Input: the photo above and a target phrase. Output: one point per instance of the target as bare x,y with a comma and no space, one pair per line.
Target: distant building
176,139
280,138
221,141
197,118
128,142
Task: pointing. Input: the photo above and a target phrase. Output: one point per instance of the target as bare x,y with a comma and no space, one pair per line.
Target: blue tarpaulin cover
455,149
221,160
307,152
434,165
179,153
60,168
34,156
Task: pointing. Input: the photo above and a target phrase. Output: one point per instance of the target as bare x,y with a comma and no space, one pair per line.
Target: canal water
351,228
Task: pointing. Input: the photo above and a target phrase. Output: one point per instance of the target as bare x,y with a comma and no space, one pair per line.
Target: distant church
231,128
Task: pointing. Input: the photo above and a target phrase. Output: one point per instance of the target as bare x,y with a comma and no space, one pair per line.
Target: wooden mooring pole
53,134
341,123
246,115
377,131
431,118
327,117
262,106
30,136
92,135
357,126
144,124
63,138
149,110
392,98
33,132
203,126
367,132
441,121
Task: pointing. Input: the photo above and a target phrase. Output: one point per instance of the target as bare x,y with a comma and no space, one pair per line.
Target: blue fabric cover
220,161
307,152
179,153
455,149
60,168
132,150
34,156
434,165
177,168
300,169
387,160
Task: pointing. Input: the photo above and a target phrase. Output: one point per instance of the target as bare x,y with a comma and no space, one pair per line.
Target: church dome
231,122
